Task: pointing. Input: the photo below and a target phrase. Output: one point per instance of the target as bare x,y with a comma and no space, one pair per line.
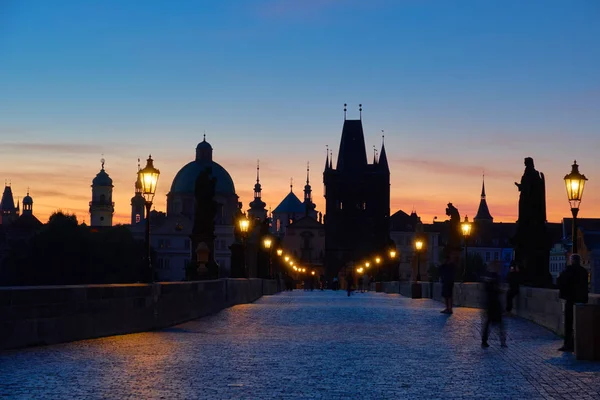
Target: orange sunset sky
458,90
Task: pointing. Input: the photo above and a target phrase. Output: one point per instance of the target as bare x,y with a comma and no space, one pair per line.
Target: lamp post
418,248
575,183
392,253
268,244
148,178
466,231
244,224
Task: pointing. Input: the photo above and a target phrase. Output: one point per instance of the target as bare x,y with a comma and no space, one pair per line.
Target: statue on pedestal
531,242
454,234
203,232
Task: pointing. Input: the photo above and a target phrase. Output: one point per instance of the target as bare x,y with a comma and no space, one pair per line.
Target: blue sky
458,86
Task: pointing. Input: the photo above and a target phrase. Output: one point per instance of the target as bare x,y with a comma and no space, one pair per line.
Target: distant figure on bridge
447,271
493,306
573,287
349,283
513,280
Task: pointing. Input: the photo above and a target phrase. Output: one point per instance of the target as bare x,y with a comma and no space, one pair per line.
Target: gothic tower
101,206
357,201
8,211
138,202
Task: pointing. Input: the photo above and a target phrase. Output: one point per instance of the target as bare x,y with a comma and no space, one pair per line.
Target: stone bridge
313,345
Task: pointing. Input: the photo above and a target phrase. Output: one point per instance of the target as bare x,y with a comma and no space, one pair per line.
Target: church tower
483,213
8,211
309,206
357,201
27,204
257,206
101,206
138,202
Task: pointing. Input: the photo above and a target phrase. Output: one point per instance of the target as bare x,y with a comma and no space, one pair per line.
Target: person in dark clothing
493,308
447,278
573,288
513,286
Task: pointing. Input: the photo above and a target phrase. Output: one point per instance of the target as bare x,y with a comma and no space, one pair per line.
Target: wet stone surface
313,345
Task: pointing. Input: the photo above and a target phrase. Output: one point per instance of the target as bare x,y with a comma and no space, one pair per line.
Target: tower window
138,218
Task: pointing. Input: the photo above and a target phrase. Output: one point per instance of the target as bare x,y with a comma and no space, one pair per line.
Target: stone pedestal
587,332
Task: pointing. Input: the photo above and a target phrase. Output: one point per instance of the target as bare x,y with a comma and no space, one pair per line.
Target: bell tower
102,207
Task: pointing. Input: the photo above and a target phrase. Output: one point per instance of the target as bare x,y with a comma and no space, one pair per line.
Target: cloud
450,168
59,148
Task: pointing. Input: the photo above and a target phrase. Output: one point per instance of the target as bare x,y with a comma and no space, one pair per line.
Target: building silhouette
357,201
102,207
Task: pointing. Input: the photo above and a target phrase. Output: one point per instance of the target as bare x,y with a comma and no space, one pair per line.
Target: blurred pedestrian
493,306
447,271
573,287
513,280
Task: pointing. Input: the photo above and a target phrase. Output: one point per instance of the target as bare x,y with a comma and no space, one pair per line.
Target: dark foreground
316,345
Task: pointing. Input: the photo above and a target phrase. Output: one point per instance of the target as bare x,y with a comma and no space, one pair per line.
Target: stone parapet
42,315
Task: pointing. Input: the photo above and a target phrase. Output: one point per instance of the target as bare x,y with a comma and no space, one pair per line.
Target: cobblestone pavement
315,345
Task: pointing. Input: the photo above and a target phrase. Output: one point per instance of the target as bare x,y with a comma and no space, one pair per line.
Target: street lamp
466,227
279,252
418,248
575,183
267,243
244,224
392,253
148,177
367,264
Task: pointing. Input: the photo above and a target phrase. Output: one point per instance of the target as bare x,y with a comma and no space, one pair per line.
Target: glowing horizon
459,91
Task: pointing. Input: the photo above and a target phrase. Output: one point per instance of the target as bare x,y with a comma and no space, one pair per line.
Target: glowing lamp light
148,177
377,260
392,253
465,227
419,245
279,252
287,258
575,182
312,272
267,242
367,264
244,224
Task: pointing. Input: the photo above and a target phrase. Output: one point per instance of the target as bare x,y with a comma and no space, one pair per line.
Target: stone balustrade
53,314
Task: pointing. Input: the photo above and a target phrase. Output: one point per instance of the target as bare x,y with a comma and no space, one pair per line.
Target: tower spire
483,212
360,111
257,171
327,157
345,105
383,162
307,172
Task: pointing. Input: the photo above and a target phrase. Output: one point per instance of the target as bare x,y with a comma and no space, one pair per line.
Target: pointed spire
291,185
308,172
102,161
483,212
327,157
360,111
257,171
331,159
345,109
383,162
483,188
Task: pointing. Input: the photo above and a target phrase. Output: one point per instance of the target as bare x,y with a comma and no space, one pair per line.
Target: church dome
185,180
102,179
27,200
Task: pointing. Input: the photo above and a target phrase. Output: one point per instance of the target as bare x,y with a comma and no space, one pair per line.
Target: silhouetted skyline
459,88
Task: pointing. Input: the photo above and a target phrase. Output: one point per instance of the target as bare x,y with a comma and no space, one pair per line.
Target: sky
460,88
